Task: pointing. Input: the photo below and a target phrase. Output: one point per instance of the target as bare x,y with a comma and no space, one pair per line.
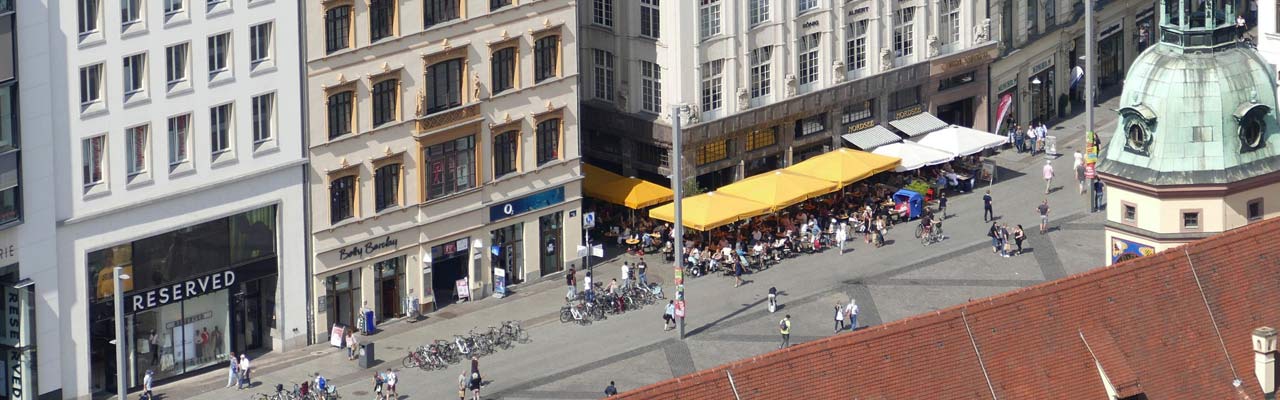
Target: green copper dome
1195,116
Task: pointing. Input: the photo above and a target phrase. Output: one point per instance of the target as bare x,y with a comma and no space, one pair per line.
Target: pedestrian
146,385
839,325
586,283
245,379
377,385
610,391
994,234
626,275
842,235
986,207
1078,167
942,205
1031,137
353,350
784,327
1240,26
641,274
1015,136
1043,132
462,385
1044,216
1048,175
669,315
852,310
391,384
1005,245
1097,195
1019,236
737,274
233,372
475,365
475,386
571,280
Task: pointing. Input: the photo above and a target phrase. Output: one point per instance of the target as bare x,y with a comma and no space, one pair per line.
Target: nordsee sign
367,248
183,290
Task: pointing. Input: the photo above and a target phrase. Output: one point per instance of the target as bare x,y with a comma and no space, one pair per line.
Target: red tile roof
1168,326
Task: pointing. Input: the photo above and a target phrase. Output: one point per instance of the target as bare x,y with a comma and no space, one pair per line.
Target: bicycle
414,360
517,333
933,236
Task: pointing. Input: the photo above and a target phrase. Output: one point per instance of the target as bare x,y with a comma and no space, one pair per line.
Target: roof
872,137
918,124
1152,323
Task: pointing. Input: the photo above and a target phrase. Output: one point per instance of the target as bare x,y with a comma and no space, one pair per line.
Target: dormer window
1252,118
1139,121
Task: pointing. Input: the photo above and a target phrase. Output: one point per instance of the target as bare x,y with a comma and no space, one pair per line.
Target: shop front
1005,107
1111,55
550,236
17,340
958,87
342,303
389,288
507,252
511,251
1041,88
444,274
193,295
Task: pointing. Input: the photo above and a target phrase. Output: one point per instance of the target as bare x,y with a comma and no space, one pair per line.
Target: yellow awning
844,166
710,210
617,189
779,189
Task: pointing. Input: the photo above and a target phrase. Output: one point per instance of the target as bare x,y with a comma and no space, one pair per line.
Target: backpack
782,324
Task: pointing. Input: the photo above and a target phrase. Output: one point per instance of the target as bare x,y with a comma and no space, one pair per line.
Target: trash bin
366,355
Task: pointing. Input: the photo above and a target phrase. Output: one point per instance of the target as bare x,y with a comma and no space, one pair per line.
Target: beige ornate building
444,151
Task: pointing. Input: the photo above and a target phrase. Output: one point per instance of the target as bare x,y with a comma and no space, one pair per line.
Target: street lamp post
118,276
677,186
1090,135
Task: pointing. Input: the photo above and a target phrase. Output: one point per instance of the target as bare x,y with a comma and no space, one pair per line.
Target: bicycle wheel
522,336
408,362
919,230
565,315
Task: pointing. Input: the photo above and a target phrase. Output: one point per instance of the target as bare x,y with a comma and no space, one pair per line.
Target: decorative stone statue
422,102
982,32
886,59
744,98
790,80
475,86
623,95
837,71
932,41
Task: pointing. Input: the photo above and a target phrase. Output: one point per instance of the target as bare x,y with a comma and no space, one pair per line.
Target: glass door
550,243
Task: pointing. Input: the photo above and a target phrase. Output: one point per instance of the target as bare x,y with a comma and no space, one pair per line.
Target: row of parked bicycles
600,303
440,354
305,391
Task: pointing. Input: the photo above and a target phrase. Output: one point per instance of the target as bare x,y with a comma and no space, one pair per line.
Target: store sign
449,250
1009,84
526,204
13,312
860,126
1109,30
1043,65
909,111
810,24
966,61
17,375
367,248
859,10
148,299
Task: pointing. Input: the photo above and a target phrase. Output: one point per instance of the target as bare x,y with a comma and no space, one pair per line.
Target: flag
1077,74
1006,102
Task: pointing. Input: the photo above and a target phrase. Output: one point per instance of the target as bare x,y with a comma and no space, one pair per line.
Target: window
444,85
504,69
857,112
337,28
712,152
176,63
219,53
135,74
1031,16
949,22
761,71
1191,220
264,115
548,141
649,22
1130,212
450,167
340,113
805,5
757,11
709,18
650,87
603,62
173,6
808,62
496,4
602,12
94,150
506,146
856,51
136,146
342,198
546,54
1254,210
904,32
88,16
220,128
1050,13
386,187
386,101
712,85
260,43
955,81
761,138
130,12
811,125
904,98
382,14
653,155
90,84
439,11
179,139
211,4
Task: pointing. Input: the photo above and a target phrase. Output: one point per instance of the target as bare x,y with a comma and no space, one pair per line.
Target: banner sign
526,204
499,282
464,291
336,335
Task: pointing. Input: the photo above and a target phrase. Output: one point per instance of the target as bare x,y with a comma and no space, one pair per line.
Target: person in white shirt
842,235
852,311
146,385
233,372
244,371
626,274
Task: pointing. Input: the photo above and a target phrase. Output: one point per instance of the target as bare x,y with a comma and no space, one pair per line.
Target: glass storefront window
179,337
508,251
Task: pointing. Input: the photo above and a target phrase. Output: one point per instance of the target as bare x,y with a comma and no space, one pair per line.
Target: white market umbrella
960,141
913,155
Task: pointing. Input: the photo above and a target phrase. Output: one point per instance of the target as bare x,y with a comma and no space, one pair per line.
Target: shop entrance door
957,113
248,313
390,284
444,277
550,243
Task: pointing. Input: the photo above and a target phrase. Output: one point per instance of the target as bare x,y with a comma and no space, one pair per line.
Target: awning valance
872,137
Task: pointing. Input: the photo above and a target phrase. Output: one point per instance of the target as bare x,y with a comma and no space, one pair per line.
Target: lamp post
118,277
677,186
1091,137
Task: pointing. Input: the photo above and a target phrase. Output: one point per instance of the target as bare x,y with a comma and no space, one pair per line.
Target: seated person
953,179
647,240
613,286
902,209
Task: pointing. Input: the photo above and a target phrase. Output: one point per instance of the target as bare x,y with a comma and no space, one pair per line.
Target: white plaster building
175,154
770,82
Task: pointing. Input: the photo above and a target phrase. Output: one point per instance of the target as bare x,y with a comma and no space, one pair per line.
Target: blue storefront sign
526,204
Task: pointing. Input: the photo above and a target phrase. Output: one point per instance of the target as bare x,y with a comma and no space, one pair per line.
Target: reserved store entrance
194,295
448,267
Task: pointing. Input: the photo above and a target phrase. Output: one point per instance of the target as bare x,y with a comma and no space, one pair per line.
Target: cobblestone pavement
566,361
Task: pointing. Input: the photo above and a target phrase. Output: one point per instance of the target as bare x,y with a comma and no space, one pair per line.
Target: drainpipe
305,169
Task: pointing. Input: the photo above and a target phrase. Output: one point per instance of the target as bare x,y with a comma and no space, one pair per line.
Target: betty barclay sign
367,248
160,296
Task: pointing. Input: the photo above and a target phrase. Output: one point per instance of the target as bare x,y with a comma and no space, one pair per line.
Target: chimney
1264,358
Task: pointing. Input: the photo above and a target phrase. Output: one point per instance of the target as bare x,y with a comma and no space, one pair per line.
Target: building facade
175,156
769,82
444,151
1197,149
1042,41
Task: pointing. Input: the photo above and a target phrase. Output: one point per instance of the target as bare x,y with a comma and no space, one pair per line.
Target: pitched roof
1174,325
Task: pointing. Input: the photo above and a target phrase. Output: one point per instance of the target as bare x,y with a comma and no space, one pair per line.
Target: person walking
571,281
641,277
147,382
669,315
1005,244
784,327
475,366
377,385
839,326
475,386
245,379
353,346
463,383
1097,195
1018,237
1031,137
737,274
1044,216
391,384
994,234
1048,175
626,274
852,310
1078,167
942,205
987,214
234,371
610,391
842,235
1043,132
